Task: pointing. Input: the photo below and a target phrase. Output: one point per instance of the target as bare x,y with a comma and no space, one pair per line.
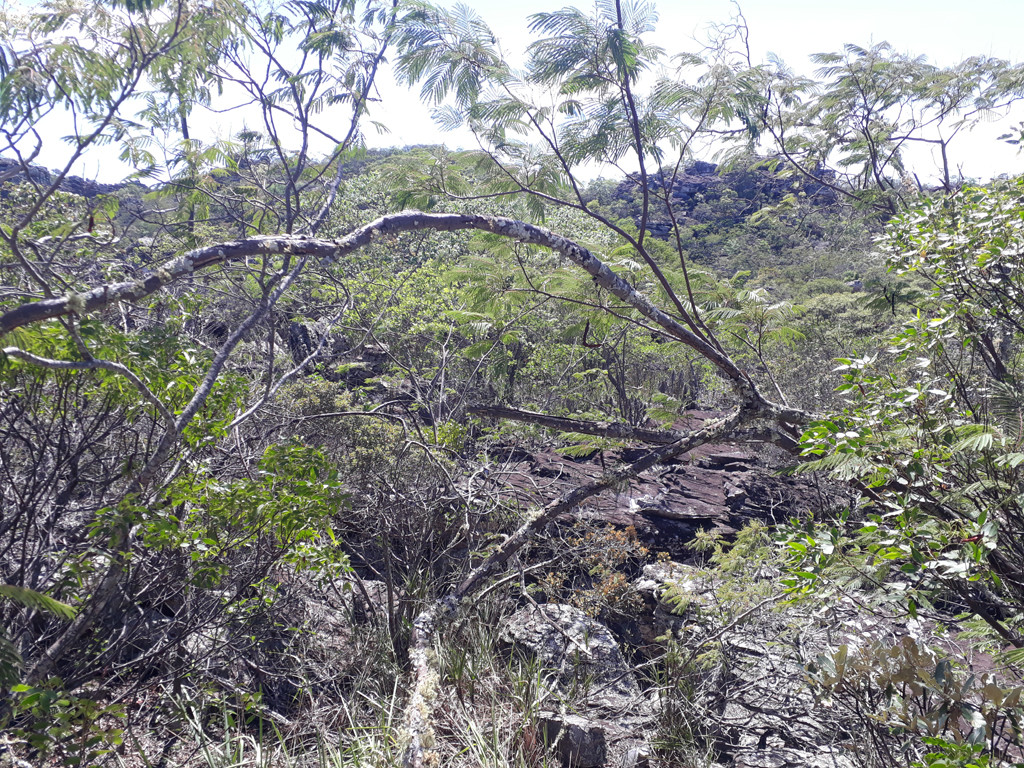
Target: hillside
383,428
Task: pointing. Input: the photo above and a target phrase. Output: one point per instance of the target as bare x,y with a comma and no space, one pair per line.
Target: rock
88,188
75,185
655,576
9,760
761,711
17,175
299,342
663,617
605,713
581,651
717,487
681,577
790,758
749,188
659,228
580,743
703,168
636,757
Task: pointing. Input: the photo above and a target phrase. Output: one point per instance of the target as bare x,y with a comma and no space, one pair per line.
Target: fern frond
10,663
37,601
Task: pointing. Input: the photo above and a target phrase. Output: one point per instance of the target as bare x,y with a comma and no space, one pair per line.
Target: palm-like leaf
10,659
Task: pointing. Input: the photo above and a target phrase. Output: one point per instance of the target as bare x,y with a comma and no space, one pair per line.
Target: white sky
945,31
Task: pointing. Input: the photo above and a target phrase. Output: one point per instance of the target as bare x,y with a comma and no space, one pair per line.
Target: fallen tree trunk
612,430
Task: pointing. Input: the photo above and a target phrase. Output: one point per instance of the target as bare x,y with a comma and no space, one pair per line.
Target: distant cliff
734,193
74,185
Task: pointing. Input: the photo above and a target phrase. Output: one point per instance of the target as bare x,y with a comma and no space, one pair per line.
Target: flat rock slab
717,487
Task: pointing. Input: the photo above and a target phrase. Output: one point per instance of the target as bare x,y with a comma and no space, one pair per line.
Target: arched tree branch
200,259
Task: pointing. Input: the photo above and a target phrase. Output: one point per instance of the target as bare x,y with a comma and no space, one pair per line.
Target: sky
945,31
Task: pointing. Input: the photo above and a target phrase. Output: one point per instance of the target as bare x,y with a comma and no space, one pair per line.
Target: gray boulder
602,715
581,652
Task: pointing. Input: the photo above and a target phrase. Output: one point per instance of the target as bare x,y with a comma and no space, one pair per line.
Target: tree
851,128
932,431
93,431
182,425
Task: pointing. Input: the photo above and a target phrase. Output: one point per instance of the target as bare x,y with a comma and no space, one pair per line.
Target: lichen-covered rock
581,651
662,580
666,588
791,758
604,713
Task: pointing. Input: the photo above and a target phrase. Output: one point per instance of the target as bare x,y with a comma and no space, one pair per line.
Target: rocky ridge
702,182
12,170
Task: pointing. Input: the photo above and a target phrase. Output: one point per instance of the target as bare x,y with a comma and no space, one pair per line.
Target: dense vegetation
253,400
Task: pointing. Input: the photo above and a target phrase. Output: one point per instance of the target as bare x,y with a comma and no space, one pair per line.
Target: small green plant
52,723
742,571
949,754
903,691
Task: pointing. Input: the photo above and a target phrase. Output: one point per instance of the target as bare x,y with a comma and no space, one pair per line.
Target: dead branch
611,430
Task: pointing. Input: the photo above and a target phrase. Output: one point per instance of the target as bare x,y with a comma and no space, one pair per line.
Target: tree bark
199,259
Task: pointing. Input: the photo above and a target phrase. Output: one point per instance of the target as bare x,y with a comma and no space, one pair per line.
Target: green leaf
37,601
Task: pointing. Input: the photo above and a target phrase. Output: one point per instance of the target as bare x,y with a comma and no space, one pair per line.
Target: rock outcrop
702,182
717,487
595,712
74,185
759,704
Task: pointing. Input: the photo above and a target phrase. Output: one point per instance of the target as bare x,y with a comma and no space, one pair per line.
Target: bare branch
392,224
611,430
95,364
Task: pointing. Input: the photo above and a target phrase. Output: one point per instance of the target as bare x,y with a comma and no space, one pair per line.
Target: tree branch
612,430
95,364
392,224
